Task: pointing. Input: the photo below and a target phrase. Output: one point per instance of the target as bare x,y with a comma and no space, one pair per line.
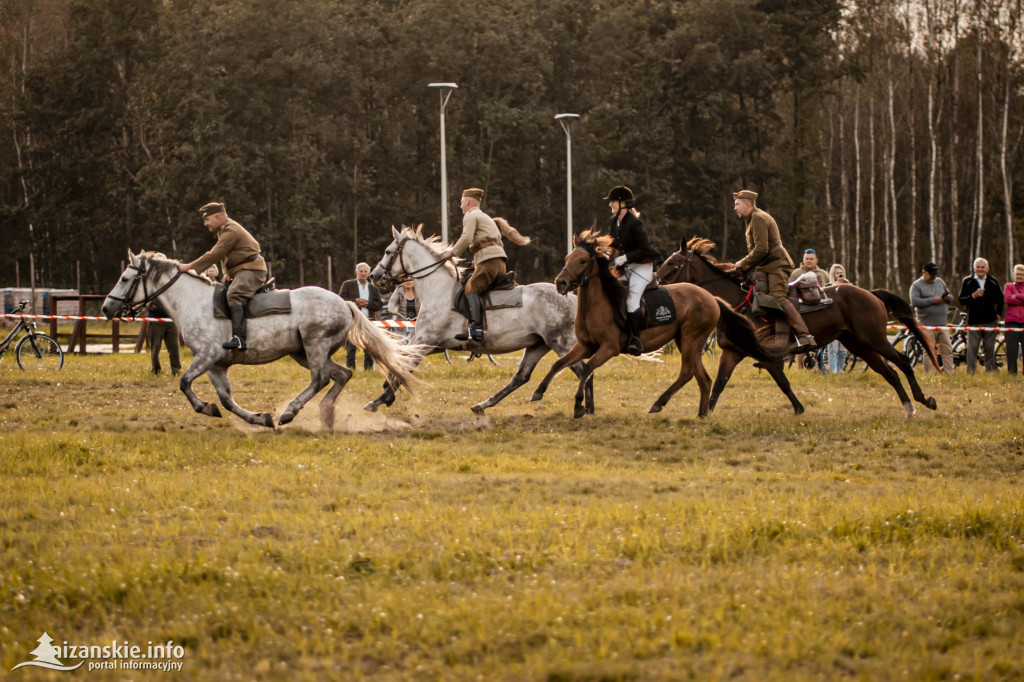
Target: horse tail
736,330
394,359
510,233
901,310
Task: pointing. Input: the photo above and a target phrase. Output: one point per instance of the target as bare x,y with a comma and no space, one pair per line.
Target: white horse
545,321
317,326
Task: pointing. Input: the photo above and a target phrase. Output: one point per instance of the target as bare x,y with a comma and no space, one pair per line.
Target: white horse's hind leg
341,375
319,376
219,379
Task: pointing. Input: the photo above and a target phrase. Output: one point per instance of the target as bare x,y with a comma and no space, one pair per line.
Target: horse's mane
702,247
434,245
168,266
599,246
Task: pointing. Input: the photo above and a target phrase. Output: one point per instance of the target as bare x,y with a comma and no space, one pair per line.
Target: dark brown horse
599,338
857,317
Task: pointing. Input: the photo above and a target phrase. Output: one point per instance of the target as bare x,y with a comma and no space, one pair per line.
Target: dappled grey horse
318,325
543,323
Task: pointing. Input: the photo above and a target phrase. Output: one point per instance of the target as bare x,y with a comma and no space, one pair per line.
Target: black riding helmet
620,193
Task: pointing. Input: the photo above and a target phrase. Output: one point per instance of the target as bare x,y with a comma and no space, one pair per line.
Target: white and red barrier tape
380,323
954,327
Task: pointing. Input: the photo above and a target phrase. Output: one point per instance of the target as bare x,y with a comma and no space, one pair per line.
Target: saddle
656,305
807,294
504,293
268,300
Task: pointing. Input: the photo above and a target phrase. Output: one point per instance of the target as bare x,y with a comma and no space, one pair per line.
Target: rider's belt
775,252
484,245
248,259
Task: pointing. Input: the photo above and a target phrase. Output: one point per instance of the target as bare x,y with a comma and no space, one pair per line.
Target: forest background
882,133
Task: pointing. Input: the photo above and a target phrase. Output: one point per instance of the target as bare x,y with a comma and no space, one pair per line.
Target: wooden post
32,281
78,277
17,274
330,282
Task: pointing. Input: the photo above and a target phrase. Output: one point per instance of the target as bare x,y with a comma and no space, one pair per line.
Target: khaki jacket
478,228
765,252
234,245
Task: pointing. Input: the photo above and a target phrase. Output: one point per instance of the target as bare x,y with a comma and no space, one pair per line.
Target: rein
129,309
415,274
576,282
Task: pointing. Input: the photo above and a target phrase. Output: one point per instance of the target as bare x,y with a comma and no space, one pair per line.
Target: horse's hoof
578,412
799,409
535,398
931,404
286,418
654,409
371,406
265,419
478,409
210,410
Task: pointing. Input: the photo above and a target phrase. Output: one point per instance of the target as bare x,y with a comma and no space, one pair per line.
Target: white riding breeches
638,274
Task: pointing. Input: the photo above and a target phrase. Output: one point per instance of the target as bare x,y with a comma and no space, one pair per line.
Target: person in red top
1013,294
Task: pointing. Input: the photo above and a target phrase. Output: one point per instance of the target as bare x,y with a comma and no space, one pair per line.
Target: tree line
883,133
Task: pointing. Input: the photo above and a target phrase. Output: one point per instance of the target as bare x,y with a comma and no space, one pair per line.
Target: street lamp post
565,120
445,90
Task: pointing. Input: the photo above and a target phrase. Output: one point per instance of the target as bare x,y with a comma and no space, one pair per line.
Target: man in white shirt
364,294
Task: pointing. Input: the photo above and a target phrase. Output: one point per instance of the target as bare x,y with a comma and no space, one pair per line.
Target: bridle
577,281
415,274
685,267
129,309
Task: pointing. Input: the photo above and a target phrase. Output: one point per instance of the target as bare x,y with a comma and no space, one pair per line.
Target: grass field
430,544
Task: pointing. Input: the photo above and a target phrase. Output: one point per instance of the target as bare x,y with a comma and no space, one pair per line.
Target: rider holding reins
636,257
482,235
245,271
767,254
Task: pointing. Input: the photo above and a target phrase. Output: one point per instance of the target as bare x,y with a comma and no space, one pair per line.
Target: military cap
211,208
473,193
745,194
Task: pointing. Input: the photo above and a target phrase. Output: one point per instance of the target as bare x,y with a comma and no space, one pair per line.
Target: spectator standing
404,303
1014,334
366,296
930,295
162,332
810,264
836,353
981,296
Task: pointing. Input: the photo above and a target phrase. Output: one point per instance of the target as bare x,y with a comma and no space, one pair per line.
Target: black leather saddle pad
276,302
660,309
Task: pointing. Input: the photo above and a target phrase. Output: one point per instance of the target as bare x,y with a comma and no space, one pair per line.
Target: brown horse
857,318
599,338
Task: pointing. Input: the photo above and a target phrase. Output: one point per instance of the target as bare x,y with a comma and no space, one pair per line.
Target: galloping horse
318,325
542,324
599,338
857,317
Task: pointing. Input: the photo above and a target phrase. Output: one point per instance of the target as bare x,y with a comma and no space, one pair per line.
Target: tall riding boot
237,341
476,320
804,340
634,323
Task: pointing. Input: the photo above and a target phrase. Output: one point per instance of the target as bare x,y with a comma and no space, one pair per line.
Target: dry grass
431,544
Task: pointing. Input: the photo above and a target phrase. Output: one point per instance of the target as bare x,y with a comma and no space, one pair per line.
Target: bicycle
36,352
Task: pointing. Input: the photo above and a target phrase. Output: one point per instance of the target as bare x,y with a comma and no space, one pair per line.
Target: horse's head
585,261
692,263
403,258
139,284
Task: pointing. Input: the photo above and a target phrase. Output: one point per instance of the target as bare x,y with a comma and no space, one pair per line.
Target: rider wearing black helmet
635,256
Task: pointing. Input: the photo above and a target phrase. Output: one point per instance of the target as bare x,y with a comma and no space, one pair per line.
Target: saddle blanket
277,302
660,308
490,299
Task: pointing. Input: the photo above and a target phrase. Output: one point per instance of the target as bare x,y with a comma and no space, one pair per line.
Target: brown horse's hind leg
900,360
876,362
690,364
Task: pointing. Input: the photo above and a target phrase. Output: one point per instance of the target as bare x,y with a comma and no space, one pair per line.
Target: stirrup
472,334
803,344
234,343
634,346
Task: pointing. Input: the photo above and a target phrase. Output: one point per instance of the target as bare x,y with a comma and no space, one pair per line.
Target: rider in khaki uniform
245,271
766,254
483,237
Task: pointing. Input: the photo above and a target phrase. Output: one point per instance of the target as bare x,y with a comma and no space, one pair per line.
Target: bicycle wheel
39,353
914,351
